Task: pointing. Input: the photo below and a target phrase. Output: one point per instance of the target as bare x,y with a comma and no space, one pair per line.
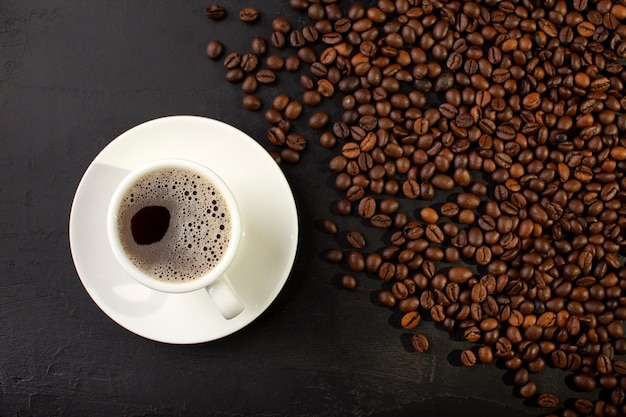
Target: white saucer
269,221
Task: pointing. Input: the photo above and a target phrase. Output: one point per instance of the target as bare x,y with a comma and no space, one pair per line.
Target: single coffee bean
420,342
429,215
281,25
410,320
232,60
348,281
292,63
468,358
290,155
234,75
252,102
356,261
295,142
249,62
386,298
334,256
249,84
356,239
547,400
318,120
259,46
293,110
329,226
215,12
266,76
276,136
277,39
584,382
367,207
248,14
214,50
381,221
275,62
485,354
434,233
528,390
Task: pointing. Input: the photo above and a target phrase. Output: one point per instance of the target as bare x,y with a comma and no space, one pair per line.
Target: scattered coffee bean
248,14
295,142
529,98
547,400
318,120
410,320
252,102
249,62
266,76
329,226
348,281
214,49
259,46
215,12
356,239
334,255
232,60
468,358
420,342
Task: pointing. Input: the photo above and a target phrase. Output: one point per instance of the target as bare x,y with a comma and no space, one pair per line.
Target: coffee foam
199,230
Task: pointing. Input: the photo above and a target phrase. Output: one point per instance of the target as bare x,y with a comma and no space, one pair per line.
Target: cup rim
165,286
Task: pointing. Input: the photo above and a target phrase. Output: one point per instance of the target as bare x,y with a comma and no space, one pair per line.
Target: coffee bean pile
513,113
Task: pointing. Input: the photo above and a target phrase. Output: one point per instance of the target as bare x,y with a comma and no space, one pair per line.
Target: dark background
73,76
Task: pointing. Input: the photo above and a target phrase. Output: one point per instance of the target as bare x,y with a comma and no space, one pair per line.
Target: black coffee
174,224
150,224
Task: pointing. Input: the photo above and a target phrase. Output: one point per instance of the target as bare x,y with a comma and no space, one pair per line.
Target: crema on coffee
174,224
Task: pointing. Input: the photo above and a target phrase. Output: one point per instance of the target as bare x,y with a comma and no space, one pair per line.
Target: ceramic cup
174,226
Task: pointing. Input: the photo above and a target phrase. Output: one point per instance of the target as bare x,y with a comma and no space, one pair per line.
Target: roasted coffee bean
293,110
381,221
329,226
356,239
318,120
420,342
249,62
468,358
276,136
266,76
434,234
584,382
547,400
252,102
277,39
215,12
410,320
234,75
275,62
232,60
248,14
292,63
249,84
214,50
386,298
348,281
259,46
528,390
334,256
295,142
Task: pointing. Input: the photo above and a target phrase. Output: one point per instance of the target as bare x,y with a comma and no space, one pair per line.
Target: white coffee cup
193,253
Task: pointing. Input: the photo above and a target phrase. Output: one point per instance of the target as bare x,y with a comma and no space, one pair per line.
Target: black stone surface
74,74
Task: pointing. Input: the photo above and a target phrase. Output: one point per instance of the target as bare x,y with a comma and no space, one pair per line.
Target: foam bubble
199,230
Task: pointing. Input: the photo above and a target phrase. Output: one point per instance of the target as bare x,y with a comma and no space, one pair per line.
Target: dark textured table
73,76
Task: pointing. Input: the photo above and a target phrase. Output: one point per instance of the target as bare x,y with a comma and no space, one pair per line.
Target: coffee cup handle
225,298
